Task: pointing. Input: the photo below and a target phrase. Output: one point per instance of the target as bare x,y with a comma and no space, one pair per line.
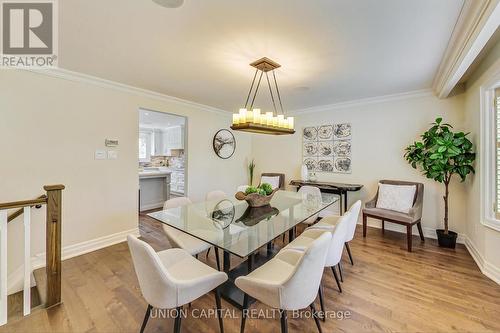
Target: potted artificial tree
441,154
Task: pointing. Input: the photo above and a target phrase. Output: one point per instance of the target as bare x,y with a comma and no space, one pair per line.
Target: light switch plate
112,155
100,154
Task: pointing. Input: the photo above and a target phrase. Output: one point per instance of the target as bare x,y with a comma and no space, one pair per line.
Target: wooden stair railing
53,200
20,211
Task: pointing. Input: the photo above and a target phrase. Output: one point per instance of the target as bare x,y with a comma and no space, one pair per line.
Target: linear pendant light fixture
251,119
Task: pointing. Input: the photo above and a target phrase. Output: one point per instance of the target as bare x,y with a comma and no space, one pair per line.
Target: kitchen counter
154,187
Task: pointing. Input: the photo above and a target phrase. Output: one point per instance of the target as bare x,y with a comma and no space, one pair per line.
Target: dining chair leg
196,255
340,271
217,258
208,251
336,278
219,308
364,225
146,317
177,322
409,236
348,248
321,304
383,226
284,323
315,316
244,313
420,231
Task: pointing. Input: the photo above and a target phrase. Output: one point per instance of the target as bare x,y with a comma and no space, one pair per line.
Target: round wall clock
224,143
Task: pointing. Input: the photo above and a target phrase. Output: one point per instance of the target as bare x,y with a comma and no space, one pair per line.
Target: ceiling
159,120
330,50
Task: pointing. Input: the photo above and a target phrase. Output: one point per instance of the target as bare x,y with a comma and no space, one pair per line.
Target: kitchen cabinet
175,137
170,138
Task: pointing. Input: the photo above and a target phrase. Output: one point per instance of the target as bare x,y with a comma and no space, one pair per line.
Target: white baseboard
486,267
15,279
152,206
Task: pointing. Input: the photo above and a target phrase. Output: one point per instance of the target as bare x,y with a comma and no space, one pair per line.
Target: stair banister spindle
27,262
53,200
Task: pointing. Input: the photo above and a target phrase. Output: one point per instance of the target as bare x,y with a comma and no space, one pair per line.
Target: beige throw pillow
396,197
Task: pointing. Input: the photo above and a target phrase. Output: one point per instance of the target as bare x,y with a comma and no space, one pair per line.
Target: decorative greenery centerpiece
441,154
251,167
257,196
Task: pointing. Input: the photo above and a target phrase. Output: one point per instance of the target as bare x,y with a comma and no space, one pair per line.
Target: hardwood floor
388,289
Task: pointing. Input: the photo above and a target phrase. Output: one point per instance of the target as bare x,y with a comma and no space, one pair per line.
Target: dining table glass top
232,225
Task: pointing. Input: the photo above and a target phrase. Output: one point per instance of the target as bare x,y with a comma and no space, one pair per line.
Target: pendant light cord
278,93
251,88
256,90
271,92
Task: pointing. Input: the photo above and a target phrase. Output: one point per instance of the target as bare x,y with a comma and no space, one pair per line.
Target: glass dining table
238,229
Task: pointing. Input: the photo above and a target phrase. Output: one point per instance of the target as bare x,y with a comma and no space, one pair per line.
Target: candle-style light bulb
256,116
236,118
281,119
243,115
249,116
269,118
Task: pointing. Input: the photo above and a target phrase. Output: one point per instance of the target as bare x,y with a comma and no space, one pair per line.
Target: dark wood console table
328,187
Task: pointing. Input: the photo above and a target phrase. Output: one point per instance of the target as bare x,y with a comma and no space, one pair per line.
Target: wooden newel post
53,243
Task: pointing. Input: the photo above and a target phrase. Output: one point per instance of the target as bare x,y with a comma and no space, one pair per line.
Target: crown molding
65,74
475,25
364,101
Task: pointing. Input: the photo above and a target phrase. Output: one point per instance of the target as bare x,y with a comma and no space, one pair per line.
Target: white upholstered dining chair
211,200
289,281
171,278
182,240
334,251
351,229
242,188
215,195
339,232
310,193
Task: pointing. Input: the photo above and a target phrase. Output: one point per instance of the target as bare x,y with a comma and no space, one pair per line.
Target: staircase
47,289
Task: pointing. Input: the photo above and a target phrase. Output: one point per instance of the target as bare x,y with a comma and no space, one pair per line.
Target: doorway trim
186,147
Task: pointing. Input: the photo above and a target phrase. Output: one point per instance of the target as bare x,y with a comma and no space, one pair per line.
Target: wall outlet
112,155
100,154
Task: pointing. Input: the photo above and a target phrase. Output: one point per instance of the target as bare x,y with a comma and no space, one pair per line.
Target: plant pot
446,240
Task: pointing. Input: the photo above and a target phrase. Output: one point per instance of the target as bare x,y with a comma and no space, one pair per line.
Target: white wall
483,242
381,131
49,130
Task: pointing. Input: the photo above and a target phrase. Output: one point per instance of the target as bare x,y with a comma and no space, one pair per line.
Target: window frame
490,217
149,135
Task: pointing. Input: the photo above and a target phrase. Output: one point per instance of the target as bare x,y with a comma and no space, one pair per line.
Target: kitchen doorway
162,158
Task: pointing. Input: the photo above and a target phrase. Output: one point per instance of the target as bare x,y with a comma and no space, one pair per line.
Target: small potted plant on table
441,154
257,196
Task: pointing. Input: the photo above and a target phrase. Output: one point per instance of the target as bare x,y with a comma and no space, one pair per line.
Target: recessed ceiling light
169,3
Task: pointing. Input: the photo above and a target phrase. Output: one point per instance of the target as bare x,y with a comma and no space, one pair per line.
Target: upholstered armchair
277,180
413,217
